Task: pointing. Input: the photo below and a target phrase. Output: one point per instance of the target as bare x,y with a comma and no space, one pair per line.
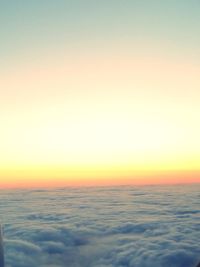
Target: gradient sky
99,92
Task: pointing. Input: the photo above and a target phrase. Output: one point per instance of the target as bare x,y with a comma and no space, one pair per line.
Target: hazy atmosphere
99,133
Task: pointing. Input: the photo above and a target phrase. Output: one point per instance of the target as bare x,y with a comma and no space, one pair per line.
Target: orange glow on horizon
61,178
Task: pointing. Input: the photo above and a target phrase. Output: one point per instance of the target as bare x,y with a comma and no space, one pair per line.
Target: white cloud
102,227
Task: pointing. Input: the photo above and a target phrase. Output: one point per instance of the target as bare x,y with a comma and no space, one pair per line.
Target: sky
99,92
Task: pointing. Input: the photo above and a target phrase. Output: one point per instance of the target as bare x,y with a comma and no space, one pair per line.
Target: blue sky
37,25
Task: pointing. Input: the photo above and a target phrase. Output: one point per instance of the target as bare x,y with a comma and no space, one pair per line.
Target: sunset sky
99,92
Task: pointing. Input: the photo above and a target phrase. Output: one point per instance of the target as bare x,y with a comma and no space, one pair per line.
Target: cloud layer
102,227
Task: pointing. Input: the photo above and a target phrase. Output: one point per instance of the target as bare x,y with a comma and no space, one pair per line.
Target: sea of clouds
146,226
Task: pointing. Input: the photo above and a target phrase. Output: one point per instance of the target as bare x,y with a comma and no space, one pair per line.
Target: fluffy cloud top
102,227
